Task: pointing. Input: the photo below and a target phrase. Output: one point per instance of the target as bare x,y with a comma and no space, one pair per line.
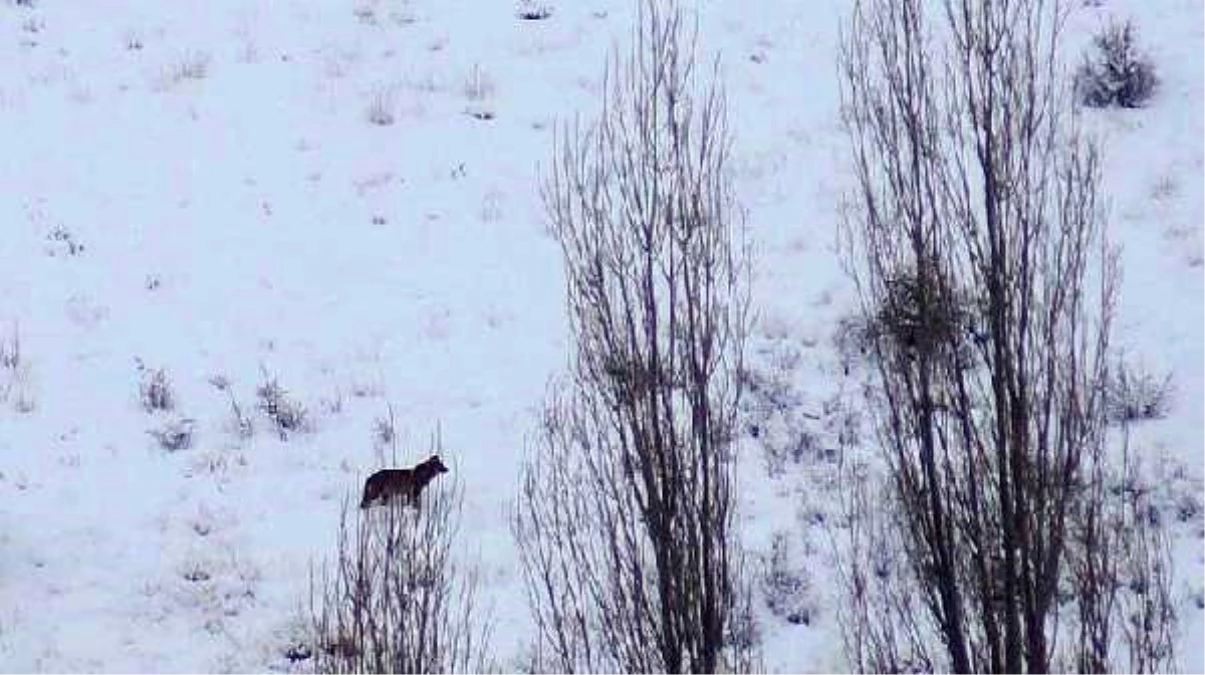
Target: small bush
156,391
1188,507
384,435
189,66
1116,73
853,341
298,652
62,242
10,352
287,415
192,66
10,358
217,586
195,573
380,108
786,587
241,423
772,409
479,90
133,41
478,86
366,13
1135,395
533,11
15,374
174,435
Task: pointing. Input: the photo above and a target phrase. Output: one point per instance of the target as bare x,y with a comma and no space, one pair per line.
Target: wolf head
433,465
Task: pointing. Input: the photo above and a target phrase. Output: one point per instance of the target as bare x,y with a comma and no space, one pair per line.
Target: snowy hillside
342,196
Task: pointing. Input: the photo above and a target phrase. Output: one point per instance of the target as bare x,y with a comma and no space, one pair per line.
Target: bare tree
397,600
978,250
625,519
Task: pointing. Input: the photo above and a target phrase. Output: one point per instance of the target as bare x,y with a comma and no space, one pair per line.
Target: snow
198,187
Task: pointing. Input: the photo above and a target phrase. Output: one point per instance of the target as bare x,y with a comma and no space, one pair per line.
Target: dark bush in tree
1116,73
1135,394
922,314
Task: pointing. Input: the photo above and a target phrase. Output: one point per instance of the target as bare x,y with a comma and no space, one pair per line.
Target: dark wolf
407,484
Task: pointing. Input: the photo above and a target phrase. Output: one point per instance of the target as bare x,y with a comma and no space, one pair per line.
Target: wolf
405,483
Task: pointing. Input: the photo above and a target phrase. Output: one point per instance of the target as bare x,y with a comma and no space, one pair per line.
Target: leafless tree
978,248
396,599
625,518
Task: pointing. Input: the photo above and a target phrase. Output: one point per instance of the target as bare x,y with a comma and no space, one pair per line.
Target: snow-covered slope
343,196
